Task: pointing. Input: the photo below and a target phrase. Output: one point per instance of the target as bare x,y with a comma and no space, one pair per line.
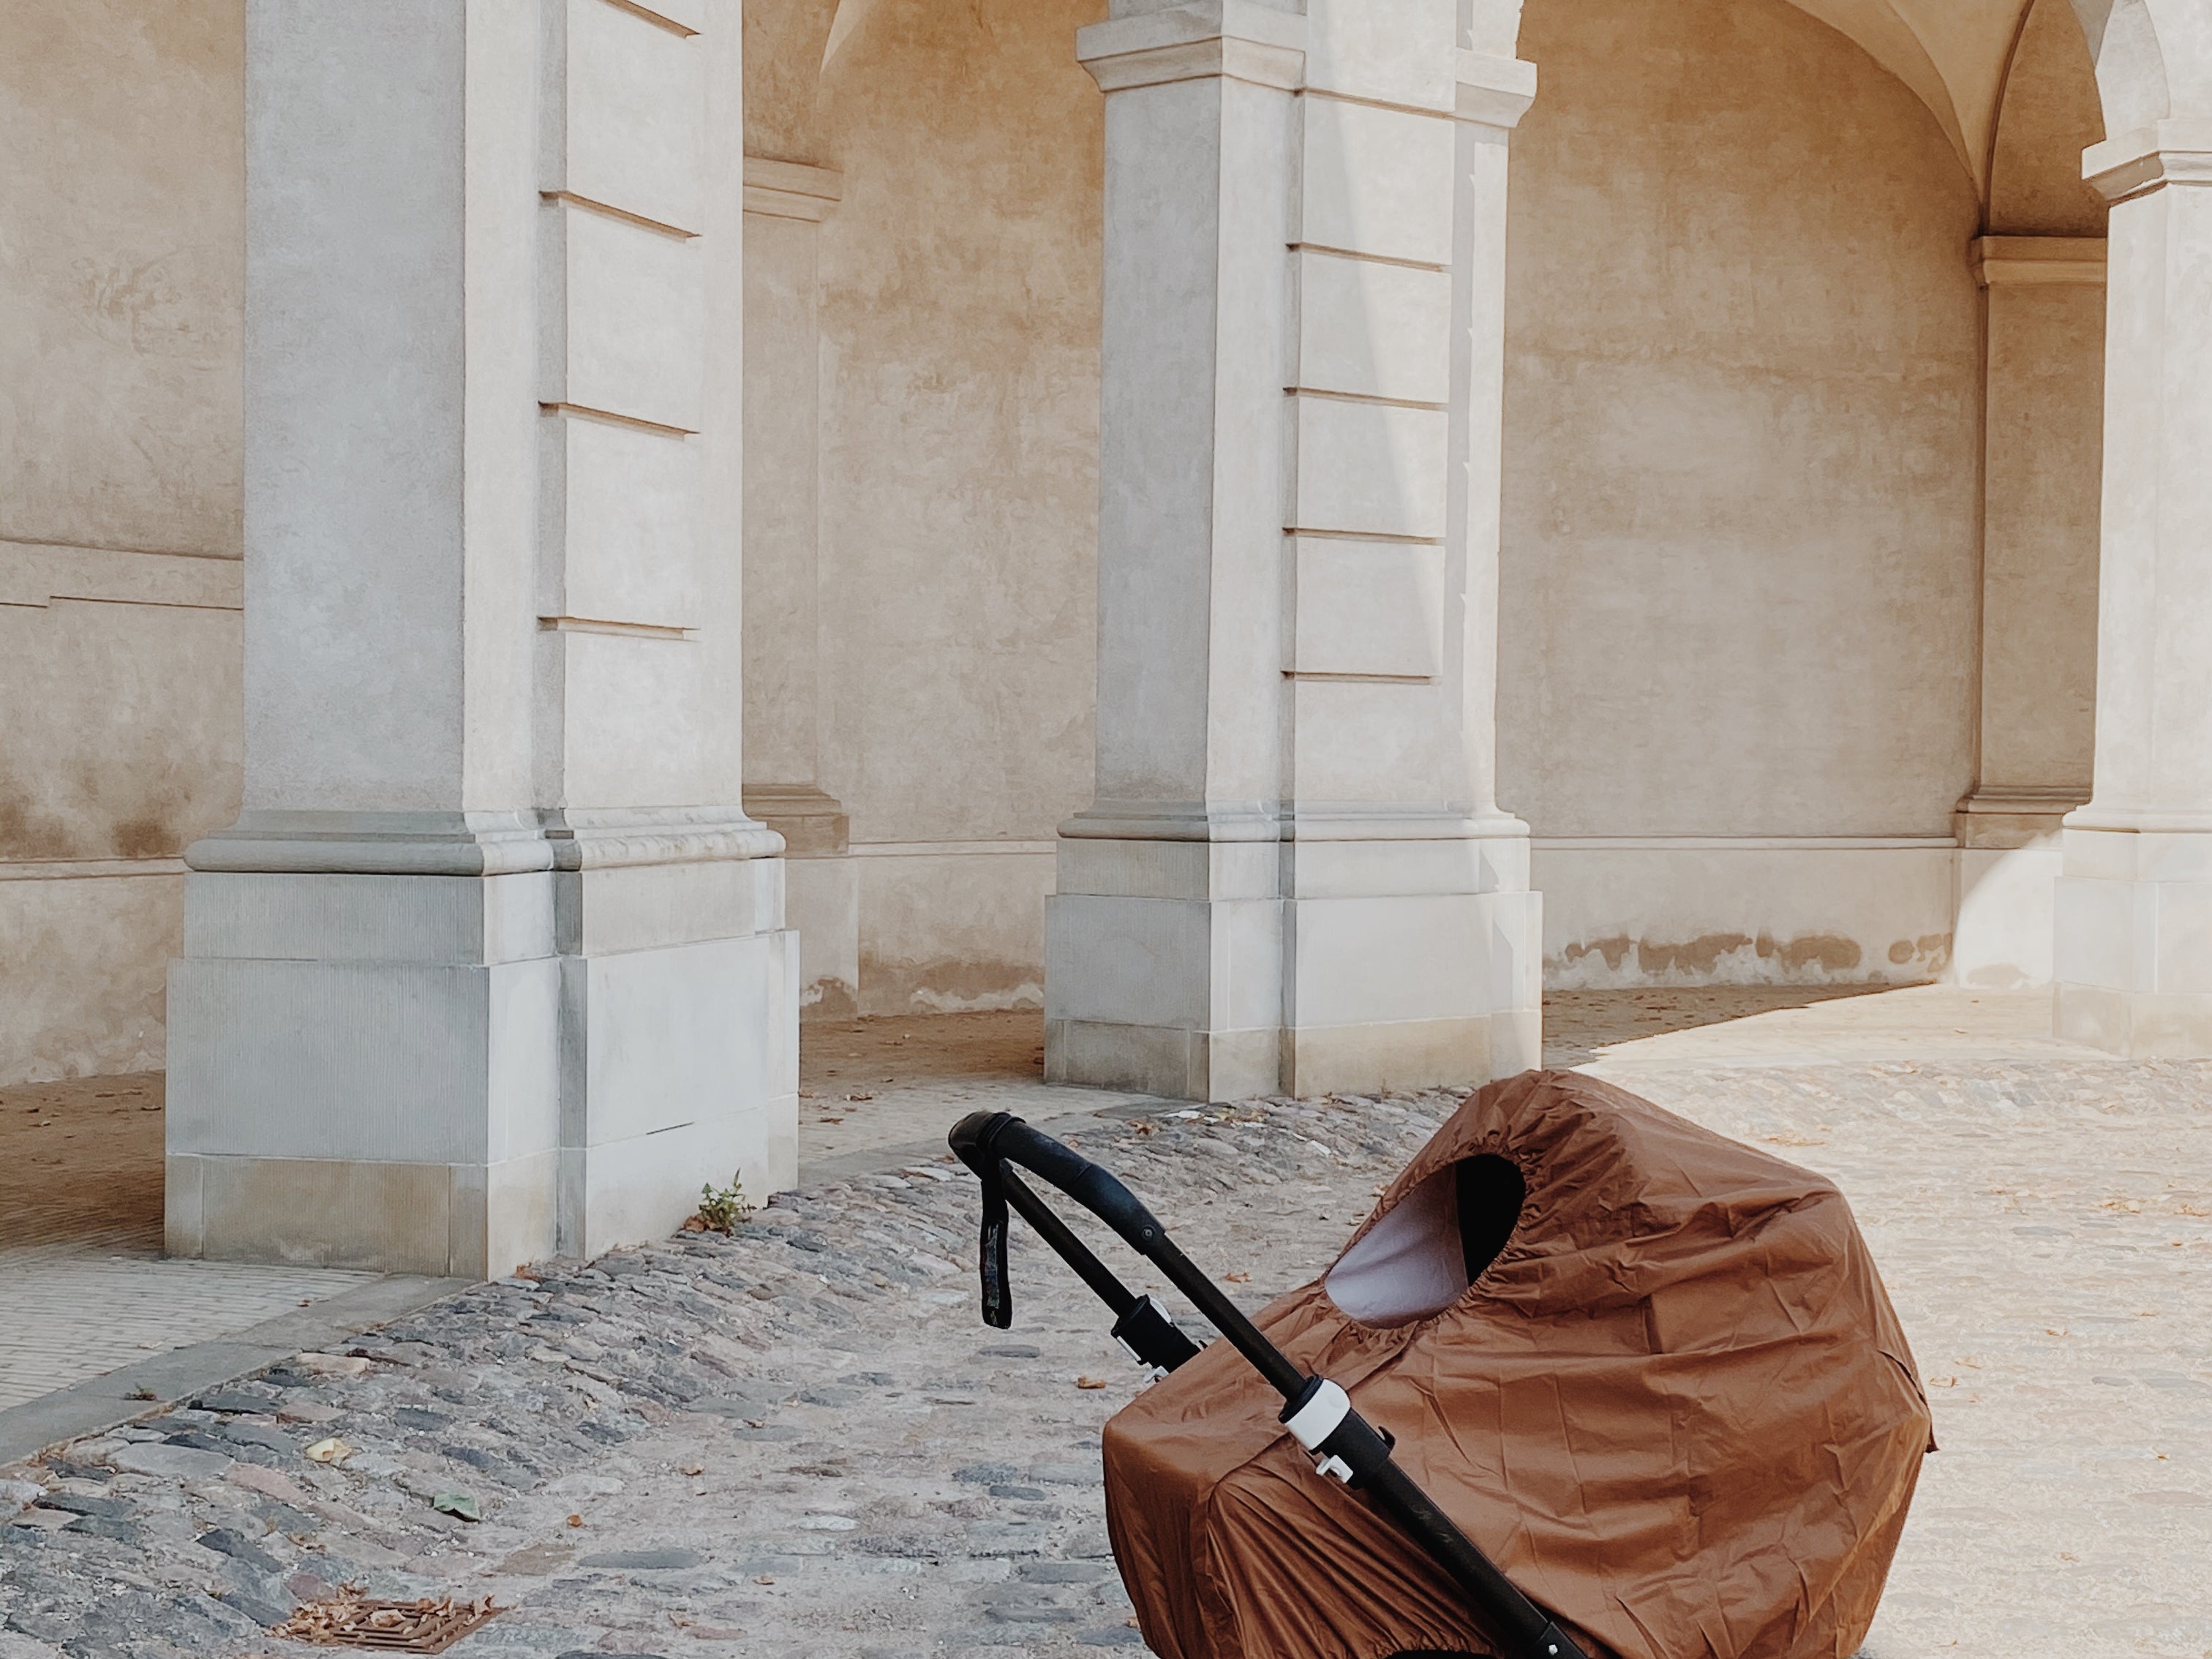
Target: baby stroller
1652,1371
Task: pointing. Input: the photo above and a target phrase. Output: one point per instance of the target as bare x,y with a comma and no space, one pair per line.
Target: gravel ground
799,1440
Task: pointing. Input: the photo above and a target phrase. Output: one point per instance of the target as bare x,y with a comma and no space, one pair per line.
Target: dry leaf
1090,1383
1237,1279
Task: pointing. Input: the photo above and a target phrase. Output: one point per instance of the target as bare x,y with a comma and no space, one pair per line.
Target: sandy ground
81,1161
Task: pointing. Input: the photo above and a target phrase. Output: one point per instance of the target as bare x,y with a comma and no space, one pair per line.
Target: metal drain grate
352,1620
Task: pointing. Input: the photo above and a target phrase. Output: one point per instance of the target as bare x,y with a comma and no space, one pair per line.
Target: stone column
492,965
2043,330
785,204
2134,936
1294,876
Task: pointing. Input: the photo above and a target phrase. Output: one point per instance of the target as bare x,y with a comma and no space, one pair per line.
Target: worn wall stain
27,832
944,985
1737,958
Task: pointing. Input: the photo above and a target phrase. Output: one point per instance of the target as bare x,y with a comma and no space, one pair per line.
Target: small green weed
721,1209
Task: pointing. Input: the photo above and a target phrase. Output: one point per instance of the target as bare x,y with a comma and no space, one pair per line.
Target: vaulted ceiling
1952,54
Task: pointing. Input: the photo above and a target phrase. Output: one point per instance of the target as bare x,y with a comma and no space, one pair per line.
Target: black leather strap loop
998,1288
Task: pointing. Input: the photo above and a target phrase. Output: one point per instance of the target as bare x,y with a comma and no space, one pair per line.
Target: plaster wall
959,319
1739,564
121,308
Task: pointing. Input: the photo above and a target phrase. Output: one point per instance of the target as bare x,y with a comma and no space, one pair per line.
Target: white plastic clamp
1317,1420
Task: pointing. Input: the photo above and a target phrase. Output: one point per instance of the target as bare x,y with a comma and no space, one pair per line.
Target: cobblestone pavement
800,1441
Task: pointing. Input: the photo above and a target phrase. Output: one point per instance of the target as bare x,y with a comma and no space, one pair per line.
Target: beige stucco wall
1740,559
121,276
959,316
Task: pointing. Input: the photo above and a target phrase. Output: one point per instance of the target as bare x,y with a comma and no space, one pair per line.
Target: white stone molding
86,869
2015,816
1493,91
606,838
791,190
937,849
37,575
2170,152
2040,261
273,841
1226,39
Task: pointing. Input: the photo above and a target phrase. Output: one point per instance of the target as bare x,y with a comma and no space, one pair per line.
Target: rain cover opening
1420,1258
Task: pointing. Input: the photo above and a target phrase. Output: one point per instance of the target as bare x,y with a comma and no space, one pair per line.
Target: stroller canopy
1651,1371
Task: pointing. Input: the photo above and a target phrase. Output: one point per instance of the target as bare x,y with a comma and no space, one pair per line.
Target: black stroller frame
1319,1414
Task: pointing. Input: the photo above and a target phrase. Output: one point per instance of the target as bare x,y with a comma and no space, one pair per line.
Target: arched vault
1953,54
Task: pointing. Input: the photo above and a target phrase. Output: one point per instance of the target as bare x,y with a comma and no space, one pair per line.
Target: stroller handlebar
982,1137
1318,1412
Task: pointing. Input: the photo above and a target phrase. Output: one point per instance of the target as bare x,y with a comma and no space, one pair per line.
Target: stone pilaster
785,203
2134,934
2044,318
1295,875
493,964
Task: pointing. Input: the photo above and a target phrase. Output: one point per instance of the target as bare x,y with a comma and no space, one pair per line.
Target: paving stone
662,1560
180,1462
224,1541
1068,1475
240,1400
81,1504
1063,1572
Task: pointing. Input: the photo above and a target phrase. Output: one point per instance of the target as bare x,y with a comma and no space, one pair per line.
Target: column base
2133,943
457,1073
822,893
2009,862
446,1220
1216,970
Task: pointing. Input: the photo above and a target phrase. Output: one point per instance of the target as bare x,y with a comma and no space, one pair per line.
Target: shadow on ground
1579,1025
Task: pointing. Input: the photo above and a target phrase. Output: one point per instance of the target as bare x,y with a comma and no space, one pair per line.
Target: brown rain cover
1677,1409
